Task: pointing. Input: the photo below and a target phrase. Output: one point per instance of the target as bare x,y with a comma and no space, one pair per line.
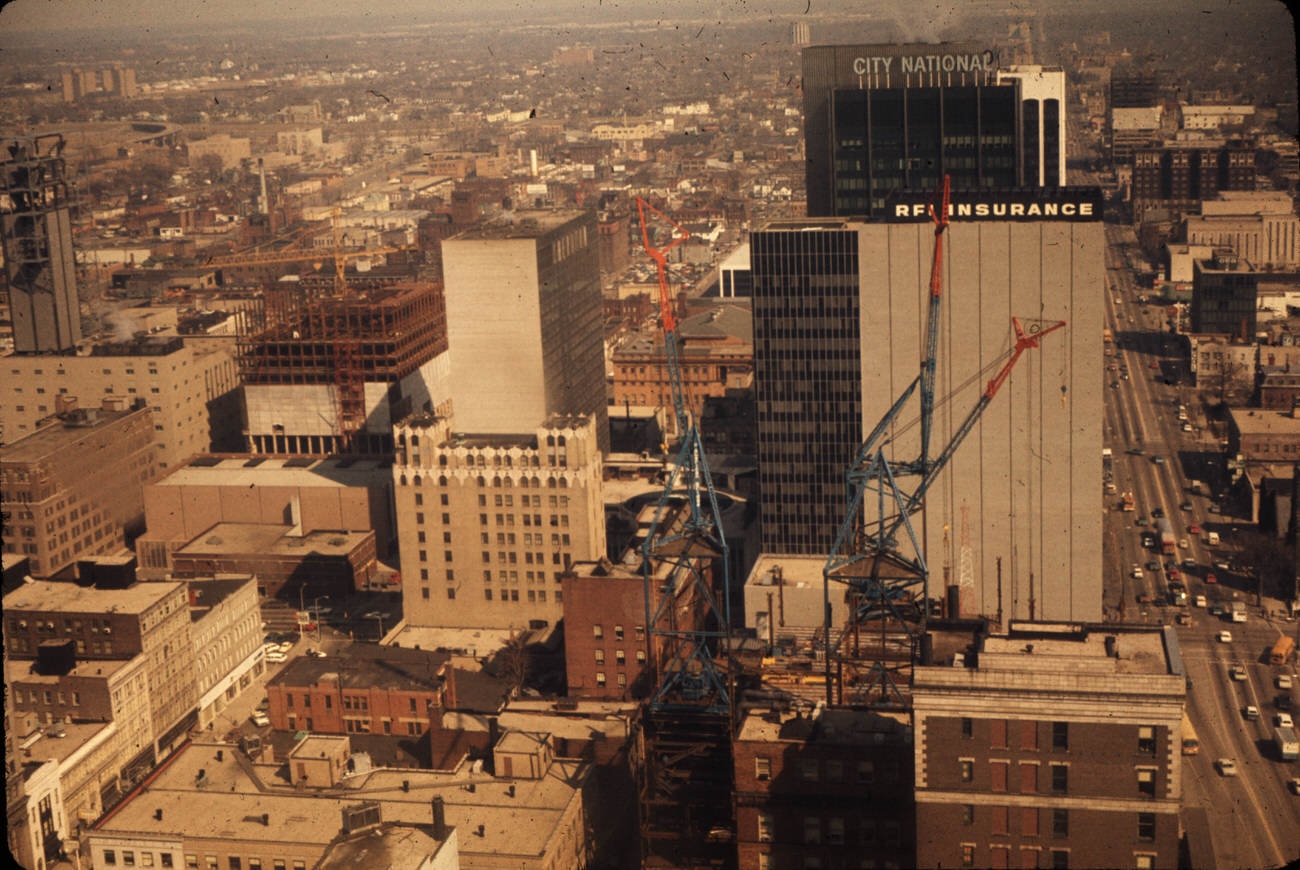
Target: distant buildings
71,488
1259,226
231,151
838,321
1055,745
524,319
488,523
78,84
1181,174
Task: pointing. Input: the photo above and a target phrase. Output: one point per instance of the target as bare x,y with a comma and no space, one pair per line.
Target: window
998,770
600,656
812,830
620,657
809,769
967,770
998,733
1146,826
110,856
600,678
835,832
235,863
1061,736
1001,820
762,768
1028,778
866,771
968,854
765,827
1060,779
1029,735
1060,859
1060,823
166,861
1146,782
967,727
1146,739
968,814
597,631
1144,862
1029,822
128,857
618,632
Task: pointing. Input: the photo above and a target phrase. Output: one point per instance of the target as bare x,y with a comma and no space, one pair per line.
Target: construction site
740,726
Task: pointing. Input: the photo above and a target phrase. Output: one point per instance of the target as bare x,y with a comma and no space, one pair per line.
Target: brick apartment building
488,523
104,624
369,690
820,788
1057,745
190,384
71,487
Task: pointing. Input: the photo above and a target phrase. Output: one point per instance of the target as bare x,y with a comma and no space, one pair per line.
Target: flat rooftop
798,572
68,597
363,665
231,802
58,749
822,725
1256,421
272,539
1137,653
60,433
247,471
25,671
522,224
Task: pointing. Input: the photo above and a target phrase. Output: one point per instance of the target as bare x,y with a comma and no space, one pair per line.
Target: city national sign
978,61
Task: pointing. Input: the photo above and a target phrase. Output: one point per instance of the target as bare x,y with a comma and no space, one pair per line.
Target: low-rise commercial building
367,689
1055,745
71,488
1261,435
226,633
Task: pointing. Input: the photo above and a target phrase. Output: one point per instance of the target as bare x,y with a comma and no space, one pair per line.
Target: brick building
1056,745
104,624
715,353
289,564
482,546
819,788
368,690
71,488
605,646
1264,435
1179,175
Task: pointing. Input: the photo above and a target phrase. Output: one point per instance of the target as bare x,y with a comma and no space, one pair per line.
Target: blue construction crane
686,535
888,581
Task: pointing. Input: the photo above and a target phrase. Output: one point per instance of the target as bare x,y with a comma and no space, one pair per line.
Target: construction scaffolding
294,336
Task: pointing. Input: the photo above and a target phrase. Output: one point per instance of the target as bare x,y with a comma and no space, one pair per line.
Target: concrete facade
72,487
189,384
481,546
226,634
839,318
1065,738
524,322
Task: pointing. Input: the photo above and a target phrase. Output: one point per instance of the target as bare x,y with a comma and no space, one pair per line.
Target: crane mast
877,553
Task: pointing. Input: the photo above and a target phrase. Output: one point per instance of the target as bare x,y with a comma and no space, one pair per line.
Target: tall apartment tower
1042,122
839,316
36,226
524,322
882,117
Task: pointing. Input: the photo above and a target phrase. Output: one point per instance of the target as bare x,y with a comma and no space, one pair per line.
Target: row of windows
234,862
999,731
619,656
832,770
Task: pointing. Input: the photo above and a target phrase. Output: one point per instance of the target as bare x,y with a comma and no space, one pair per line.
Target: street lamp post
315,607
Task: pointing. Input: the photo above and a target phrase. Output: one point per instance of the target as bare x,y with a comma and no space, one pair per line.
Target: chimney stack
439,819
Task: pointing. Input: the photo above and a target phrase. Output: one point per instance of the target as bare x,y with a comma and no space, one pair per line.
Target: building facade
226,634
882,117
487,524
152,619
524,321
190,385
1042,122
1062,748
1225,289
72,487
1179,175
839,315
1259,226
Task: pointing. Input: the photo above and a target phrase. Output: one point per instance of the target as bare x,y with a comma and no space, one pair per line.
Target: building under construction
327,374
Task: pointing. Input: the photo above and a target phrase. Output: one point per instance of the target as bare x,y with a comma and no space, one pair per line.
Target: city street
1255,818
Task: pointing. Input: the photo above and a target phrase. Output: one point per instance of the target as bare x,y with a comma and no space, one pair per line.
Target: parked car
1200,601
259,719
1284,681
1225,637
1283,720
1251,712
316,653
1226,766
1187,505
1158,460
276,658
1238,672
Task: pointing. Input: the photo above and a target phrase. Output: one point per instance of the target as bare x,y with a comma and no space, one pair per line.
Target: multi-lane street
1255,818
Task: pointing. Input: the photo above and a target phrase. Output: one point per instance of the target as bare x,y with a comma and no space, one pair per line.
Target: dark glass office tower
878,118
808,380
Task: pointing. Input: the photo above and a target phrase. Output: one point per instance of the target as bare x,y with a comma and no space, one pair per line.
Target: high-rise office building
878,118
524,322
839,317
37,234
1042,122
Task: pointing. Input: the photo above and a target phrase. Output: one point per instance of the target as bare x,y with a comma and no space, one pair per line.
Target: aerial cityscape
547,434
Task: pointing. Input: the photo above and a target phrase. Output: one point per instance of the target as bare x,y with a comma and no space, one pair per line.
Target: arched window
496,480
402,480
442,460
550,440
550,483
482,481
496,461
419,481
564,484
482,460
401,439
442,480
415,440
560,441
507,482
509,462
537,484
